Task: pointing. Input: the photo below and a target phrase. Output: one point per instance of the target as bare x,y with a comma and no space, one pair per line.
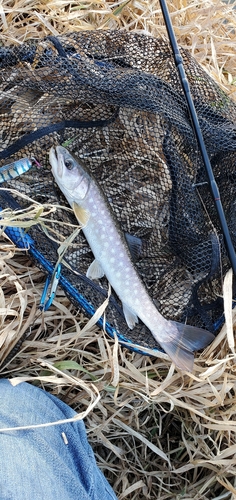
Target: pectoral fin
81,214
130,316
95,271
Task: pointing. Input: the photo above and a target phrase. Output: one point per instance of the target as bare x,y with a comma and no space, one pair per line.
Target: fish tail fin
183,341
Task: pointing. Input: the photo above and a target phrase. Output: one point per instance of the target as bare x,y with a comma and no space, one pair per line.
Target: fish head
70,175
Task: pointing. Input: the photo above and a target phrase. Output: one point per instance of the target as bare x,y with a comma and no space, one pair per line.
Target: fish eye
69,164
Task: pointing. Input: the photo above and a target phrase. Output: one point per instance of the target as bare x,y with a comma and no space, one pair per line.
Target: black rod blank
195,123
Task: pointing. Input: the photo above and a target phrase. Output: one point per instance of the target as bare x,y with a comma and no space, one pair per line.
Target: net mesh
117,99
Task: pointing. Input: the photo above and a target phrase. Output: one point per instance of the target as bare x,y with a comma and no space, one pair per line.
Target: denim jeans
38,464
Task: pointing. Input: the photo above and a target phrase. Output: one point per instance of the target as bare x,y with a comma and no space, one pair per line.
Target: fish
112,258
12,170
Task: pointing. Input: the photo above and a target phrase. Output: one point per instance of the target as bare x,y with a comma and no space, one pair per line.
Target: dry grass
157,434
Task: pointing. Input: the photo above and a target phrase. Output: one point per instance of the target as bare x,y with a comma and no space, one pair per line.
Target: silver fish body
12,170
113,258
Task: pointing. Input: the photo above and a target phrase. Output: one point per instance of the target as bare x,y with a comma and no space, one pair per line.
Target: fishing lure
15,169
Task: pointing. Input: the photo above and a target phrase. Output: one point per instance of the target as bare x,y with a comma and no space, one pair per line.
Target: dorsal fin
135,245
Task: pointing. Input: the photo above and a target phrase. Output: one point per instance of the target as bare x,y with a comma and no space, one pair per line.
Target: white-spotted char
113,259
12,170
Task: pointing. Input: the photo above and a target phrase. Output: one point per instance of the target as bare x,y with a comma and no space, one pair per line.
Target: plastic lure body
12,170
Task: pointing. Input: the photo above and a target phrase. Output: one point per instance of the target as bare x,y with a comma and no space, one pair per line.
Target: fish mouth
56,160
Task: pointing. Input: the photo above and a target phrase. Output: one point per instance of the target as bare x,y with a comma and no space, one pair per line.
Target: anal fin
131,317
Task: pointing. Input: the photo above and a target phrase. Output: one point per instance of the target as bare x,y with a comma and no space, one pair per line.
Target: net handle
195,124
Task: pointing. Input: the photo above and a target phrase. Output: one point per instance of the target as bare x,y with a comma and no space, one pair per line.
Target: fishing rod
193,114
